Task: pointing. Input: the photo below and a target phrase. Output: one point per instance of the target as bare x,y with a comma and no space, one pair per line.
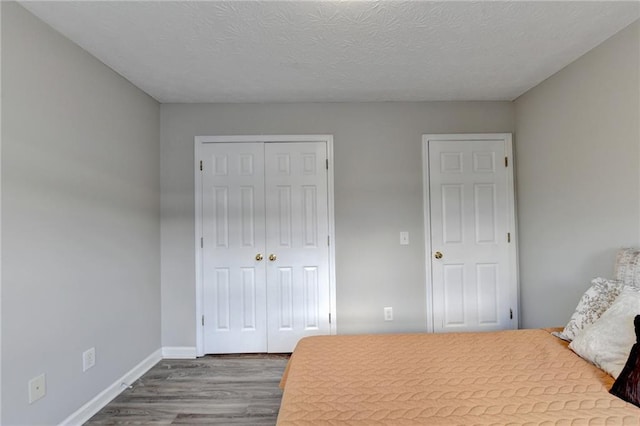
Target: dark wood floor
214,390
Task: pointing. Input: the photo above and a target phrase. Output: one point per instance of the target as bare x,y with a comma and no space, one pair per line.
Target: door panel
298,278
284,297
452,213
311,293
283,214
249,322
487,280
233,234
454,295
469,224
223,298
485,212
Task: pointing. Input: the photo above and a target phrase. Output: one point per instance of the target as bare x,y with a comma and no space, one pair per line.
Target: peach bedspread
524,377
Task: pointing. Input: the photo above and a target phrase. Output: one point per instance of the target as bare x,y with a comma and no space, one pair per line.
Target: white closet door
265,245
298,303
472,288
233,228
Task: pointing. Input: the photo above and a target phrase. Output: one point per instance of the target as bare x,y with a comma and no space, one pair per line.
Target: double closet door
265,246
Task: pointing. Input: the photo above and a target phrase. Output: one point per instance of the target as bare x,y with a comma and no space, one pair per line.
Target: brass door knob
272,257
438,255
259,257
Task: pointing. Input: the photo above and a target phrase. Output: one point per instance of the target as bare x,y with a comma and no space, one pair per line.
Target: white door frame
511,216
199,141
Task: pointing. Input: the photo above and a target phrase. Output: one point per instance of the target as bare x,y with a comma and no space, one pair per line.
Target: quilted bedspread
523,377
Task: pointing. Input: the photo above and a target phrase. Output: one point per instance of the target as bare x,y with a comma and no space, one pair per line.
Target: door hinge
506,161
203,320
200,165
201,242
327,164
329,317
508,237
510,313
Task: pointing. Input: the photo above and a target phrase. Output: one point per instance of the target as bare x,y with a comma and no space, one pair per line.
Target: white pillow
627,268
607,342
594,302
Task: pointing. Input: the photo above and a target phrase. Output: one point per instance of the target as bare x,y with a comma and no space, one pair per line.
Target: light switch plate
388,313
88,359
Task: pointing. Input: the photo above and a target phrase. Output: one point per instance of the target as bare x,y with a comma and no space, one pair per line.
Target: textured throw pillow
593,303
627,267
627,385
608,341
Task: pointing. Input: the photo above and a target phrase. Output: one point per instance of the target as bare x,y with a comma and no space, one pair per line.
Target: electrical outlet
404,238
37,388
388,313
88,359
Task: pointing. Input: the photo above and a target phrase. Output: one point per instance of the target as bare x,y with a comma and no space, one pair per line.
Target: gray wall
378,192
81,221
577,154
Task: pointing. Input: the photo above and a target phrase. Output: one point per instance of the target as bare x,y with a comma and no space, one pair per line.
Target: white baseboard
179,352
85,412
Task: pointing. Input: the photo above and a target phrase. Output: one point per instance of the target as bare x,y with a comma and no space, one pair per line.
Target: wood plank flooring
213,390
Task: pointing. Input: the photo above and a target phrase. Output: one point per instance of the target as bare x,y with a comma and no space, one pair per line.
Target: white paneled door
233,245
297,242
265,252
471,236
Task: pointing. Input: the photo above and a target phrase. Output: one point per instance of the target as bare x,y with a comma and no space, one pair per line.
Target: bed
522,377
517,377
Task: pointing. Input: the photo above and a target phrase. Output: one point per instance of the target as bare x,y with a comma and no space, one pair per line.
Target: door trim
198,142
511,216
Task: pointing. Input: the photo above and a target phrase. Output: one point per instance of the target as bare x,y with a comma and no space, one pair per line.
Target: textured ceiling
265,51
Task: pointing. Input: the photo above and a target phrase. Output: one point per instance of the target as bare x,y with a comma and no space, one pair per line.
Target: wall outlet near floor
88,359
388,313
404,238
37,388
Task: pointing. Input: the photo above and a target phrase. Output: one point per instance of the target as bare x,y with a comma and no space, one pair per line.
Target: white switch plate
88,359
37,388
404,238
388,313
